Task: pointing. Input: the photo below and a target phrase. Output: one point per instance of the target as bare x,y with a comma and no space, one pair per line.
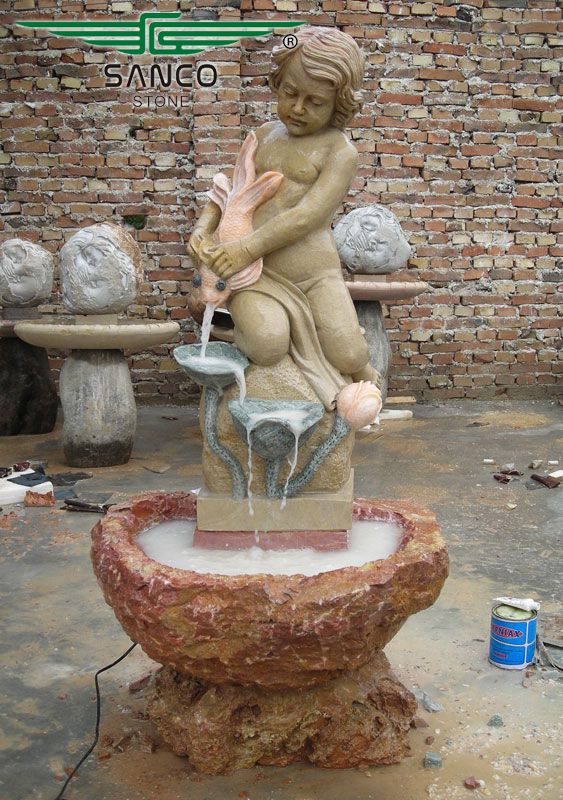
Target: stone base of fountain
359,719
270,669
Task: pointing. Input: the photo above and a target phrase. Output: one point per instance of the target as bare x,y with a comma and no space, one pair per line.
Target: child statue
299,304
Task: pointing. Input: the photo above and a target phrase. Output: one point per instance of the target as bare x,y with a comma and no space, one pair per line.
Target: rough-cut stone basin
272,631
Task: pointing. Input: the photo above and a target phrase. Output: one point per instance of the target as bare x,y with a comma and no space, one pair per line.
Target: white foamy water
170,543
206,327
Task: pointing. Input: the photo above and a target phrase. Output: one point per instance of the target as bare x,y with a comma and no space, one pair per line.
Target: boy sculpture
299,304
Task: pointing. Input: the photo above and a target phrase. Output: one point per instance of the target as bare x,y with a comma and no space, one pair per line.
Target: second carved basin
265,630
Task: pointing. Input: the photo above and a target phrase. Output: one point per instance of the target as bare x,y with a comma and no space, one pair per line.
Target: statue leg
261,327
338,328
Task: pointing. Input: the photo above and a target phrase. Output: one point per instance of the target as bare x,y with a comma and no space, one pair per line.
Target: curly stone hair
326,54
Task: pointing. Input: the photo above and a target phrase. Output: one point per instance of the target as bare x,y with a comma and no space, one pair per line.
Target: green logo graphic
163,35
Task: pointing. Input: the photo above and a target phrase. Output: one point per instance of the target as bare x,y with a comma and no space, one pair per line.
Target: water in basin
171,543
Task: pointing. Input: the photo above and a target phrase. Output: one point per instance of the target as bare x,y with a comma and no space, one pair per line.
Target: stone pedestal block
100,416
358,719
28,398
310,511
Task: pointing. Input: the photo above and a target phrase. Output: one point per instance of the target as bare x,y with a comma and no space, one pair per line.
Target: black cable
98,713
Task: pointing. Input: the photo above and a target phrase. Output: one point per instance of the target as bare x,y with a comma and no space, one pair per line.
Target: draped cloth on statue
304,348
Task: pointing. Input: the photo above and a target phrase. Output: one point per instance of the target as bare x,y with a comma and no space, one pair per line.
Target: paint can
513,637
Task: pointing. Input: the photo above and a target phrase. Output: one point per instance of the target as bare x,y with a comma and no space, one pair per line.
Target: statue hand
228,258
199,245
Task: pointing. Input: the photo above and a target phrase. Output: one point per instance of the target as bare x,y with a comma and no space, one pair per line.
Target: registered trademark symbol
290,41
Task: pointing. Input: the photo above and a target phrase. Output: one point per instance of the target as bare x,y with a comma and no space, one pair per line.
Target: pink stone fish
237,206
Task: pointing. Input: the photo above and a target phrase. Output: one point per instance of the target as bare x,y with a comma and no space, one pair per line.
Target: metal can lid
512,613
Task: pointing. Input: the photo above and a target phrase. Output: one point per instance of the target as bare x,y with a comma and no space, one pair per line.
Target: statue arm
204,229
315,210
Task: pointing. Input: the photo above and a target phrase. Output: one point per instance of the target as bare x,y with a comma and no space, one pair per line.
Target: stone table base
28,398
100,415
359,719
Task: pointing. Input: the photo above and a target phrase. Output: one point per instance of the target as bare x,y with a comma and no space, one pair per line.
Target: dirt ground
502,540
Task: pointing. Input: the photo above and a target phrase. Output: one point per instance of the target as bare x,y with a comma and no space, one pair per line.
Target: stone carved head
100,270
370,240
26,273
325,54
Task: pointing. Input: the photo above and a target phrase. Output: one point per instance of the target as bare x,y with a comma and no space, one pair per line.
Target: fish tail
220,190
245,170
260,190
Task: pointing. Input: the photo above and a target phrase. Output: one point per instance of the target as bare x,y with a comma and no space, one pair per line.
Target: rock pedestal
358,719
100,415
28,398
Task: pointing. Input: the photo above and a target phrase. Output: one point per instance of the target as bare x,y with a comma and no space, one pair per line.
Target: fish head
210,287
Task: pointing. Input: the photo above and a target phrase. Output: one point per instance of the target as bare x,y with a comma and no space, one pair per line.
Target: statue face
26,273
370,239
305,105
97,276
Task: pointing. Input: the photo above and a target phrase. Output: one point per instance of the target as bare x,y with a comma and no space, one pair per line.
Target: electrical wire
98,714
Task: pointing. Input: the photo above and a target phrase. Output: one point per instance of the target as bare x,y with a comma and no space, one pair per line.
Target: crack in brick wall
460,136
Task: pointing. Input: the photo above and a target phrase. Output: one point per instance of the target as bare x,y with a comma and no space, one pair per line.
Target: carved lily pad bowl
272,422
217,369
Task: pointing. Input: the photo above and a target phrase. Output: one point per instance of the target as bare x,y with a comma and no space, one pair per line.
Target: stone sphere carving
370,240
100,270
26,273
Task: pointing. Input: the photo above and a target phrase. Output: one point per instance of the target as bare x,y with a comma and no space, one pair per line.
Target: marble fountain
269,596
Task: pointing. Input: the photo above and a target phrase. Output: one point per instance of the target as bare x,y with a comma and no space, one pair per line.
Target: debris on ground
146,743
89,505
37,499
473,783
488,461
536,464
502,477
511,506
510,469
68,478
426,701
546,480
158,468
165,416
419,722
532,485
432,759
495,721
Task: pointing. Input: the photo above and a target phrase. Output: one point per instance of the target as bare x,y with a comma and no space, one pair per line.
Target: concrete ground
502,539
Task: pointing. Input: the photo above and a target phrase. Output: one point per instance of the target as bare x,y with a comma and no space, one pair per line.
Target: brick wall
458,136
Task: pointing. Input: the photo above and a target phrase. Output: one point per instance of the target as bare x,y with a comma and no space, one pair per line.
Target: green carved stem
340,429
271,472
212,398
